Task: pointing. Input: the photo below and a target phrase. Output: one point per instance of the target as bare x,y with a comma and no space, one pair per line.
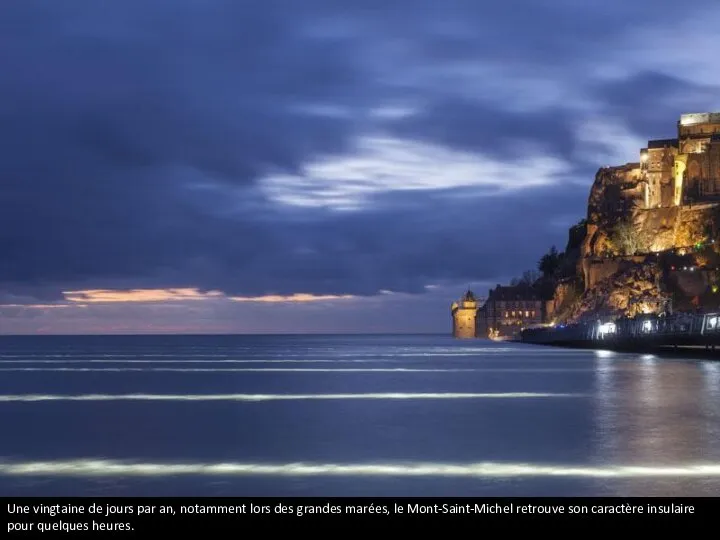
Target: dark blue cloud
136,136
650,102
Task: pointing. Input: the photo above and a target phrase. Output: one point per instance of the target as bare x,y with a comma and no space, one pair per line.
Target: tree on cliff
625,238
528,279
550,262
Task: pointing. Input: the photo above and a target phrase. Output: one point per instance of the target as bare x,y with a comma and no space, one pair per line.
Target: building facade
464,316
677,171
685,169
508,310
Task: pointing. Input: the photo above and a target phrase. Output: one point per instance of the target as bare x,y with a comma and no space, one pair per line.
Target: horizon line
449,334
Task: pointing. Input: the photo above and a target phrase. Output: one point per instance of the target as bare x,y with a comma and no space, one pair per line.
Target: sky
324,166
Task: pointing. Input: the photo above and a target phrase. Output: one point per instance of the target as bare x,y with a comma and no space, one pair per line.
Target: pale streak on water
351,415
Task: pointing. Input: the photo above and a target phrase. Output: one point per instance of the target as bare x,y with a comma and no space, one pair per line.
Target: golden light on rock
647,243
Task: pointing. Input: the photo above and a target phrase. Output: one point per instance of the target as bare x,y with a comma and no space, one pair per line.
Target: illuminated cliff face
666,203
663,199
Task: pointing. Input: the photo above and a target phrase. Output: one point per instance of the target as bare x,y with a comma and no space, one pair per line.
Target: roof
690,119
662,143
517,292
469,296
624,168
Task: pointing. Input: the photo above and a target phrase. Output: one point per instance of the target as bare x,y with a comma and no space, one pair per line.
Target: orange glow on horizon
297,297
41,306
138,295
99,296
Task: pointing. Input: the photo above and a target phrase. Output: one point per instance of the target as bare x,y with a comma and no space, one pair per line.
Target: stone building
685,169
509,309
464,316
671,172
657,163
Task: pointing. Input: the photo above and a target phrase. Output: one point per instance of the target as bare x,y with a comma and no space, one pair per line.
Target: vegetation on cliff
624,260
650,239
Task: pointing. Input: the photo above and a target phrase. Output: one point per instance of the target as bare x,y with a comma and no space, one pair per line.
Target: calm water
350,415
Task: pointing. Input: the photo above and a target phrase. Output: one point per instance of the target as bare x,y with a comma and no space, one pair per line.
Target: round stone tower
464,316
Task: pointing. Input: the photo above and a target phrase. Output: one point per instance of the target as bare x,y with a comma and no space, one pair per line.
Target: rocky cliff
628,259
635,288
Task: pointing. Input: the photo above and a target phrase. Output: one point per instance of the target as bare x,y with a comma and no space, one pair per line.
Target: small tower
464,315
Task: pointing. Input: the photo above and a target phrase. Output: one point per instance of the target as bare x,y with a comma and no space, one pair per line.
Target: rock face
616,206
651,230
658,227
680,226
563,296
635,289
615,193
598,269
689,283
619,249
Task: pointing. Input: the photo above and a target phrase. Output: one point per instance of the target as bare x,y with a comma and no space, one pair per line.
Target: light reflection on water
661,412
568,422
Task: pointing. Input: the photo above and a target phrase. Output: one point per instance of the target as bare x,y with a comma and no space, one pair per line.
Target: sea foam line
244,361
295,370
260,361
316,352
379,360
270,397
100,468
389,351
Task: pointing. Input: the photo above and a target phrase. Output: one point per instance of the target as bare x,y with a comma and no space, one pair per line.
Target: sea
351,415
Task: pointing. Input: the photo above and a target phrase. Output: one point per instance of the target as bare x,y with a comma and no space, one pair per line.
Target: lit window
527,313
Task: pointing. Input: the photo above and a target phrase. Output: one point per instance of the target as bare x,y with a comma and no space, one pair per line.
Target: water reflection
657,412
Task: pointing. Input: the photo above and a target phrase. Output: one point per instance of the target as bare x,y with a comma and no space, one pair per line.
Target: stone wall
464,323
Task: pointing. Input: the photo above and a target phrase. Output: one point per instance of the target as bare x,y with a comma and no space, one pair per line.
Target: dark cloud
649,102
474,126
135,136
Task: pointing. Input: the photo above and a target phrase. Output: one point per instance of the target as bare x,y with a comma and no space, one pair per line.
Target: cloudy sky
315,165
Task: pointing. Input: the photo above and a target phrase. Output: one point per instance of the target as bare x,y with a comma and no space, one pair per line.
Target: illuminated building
508,310
464,316
685,169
